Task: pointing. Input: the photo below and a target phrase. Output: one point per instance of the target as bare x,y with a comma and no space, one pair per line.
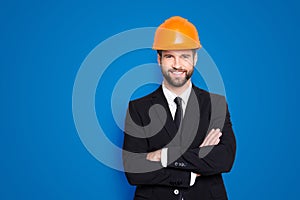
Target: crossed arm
218,160
213,138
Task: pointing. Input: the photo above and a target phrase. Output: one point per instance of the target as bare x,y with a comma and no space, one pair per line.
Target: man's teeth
177,73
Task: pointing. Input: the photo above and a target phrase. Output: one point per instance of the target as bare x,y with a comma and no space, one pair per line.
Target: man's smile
178,73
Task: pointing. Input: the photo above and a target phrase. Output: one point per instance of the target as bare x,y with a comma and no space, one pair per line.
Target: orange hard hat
176,33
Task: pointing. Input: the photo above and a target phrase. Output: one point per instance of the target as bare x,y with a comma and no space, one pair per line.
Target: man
178,139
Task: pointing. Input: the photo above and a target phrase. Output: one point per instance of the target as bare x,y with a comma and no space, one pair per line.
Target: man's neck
177,90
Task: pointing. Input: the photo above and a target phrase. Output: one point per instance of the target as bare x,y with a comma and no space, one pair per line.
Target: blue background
255,45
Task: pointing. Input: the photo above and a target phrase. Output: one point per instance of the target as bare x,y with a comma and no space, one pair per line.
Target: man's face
177,66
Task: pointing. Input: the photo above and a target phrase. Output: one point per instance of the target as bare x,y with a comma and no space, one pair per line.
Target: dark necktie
178,114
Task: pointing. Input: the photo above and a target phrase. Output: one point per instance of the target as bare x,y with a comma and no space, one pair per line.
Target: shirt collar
170,96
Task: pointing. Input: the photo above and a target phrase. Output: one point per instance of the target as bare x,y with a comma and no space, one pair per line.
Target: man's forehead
178,52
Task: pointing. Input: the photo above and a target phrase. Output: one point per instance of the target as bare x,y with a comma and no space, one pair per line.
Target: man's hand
154,156
213,138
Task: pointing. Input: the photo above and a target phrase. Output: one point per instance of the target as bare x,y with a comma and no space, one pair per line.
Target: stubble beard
178,81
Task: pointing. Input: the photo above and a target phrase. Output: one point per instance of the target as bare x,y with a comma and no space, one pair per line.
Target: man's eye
168,56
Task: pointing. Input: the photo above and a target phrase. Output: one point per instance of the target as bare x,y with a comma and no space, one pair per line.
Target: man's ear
195,58
158,59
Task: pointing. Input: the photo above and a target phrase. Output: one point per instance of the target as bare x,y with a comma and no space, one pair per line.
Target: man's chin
178,84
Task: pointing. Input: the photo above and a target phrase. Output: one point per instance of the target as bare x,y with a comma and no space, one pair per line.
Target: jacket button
176,192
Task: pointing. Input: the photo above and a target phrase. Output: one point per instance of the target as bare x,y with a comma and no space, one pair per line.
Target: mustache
177,70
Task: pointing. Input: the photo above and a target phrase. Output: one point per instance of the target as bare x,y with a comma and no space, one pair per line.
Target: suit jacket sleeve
209,160
138,170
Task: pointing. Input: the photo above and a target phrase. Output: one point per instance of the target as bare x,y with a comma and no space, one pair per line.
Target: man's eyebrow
181,55
186,55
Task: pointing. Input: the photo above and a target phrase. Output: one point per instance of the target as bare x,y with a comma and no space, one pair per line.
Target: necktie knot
178,101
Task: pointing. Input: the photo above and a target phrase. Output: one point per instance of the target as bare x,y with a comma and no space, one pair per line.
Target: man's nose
177,63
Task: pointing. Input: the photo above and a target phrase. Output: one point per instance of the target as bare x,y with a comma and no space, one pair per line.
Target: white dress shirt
170,96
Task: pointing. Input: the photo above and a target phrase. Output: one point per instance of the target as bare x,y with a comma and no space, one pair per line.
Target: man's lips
178,72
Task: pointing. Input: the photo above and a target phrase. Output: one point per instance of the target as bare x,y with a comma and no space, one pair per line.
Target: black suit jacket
149,126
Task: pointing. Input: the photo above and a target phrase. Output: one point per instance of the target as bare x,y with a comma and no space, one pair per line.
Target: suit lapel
192,114
159,98
190,121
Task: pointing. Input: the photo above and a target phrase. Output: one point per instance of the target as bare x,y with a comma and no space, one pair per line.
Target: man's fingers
151,157
154,156
216,139
209,136
204,143
213,136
